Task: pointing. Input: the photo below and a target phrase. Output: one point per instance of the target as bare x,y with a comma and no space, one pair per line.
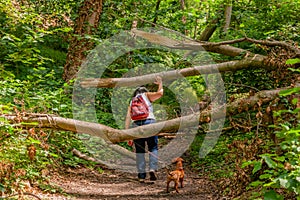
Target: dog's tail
168,170
172,174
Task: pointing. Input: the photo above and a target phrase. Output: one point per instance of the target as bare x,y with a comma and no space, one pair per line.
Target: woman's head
140,90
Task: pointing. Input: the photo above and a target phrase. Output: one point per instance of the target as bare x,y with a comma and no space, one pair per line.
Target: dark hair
139,90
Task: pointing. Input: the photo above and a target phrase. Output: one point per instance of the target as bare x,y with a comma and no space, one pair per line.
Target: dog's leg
176,186
168,182
181,182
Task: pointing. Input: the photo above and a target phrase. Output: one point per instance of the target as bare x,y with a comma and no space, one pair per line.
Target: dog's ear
180,159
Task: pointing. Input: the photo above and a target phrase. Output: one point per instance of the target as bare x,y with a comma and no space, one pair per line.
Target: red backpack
139,109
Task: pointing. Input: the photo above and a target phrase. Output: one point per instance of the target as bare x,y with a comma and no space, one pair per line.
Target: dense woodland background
254,44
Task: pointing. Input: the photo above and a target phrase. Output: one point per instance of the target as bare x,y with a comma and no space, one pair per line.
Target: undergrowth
259,164
31,154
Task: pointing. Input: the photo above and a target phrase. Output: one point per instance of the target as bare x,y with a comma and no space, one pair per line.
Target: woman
152,142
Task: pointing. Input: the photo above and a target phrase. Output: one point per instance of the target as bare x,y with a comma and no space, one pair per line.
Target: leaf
53,155
271,184
265,176
292,61
296,111
293,131
33,141
285,127
280,158
284,182
294,70
269,162
289,91
29,123
257,167
269,32
2,188
272,195
256,183
245,164
295,101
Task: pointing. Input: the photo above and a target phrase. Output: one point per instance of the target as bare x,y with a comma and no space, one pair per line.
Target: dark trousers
152,143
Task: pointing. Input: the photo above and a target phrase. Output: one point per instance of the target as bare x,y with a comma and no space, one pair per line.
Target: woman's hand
158,80
152,96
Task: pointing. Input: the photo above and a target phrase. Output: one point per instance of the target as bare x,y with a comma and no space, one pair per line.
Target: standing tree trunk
86,23
228,11
183,18
209,30
156,12
211,26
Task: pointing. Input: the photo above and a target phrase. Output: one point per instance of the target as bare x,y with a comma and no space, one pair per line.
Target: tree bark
256,61
209,30
221,48
250,60
228,11
88,158
215,47
156,12
112,135
183,18
86,23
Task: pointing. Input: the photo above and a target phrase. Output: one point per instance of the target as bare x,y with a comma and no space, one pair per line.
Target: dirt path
86,184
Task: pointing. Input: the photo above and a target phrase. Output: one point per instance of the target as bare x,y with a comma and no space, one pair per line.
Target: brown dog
177,175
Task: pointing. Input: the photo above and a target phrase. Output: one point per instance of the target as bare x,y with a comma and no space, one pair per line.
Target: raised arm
152,96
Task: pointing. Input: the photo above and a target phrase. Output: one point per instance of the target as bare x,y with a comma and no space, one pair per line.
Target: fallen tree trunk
257,61
215,47
249,61
112,135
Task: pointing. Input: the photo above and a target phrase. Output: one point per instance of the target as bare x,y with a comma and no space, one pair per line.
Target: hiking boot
152,175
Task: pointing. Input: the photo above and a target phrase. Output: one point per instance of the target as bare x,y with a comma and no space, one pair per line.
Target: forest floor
88,184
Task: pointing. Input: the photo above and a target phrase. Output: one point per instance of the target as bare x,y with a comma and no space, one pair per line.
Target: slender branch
275,43
262,42
88,158
223,42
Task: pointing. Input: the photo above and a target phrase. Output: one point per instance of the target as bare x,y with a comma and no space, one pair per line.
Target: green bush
280,167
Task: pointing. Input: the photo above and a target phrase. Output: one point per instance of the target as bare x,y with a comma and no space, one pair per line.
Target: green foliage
27,153
215,164
34,37
293,61
249,18
31,67
23,38
244,80
280,168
